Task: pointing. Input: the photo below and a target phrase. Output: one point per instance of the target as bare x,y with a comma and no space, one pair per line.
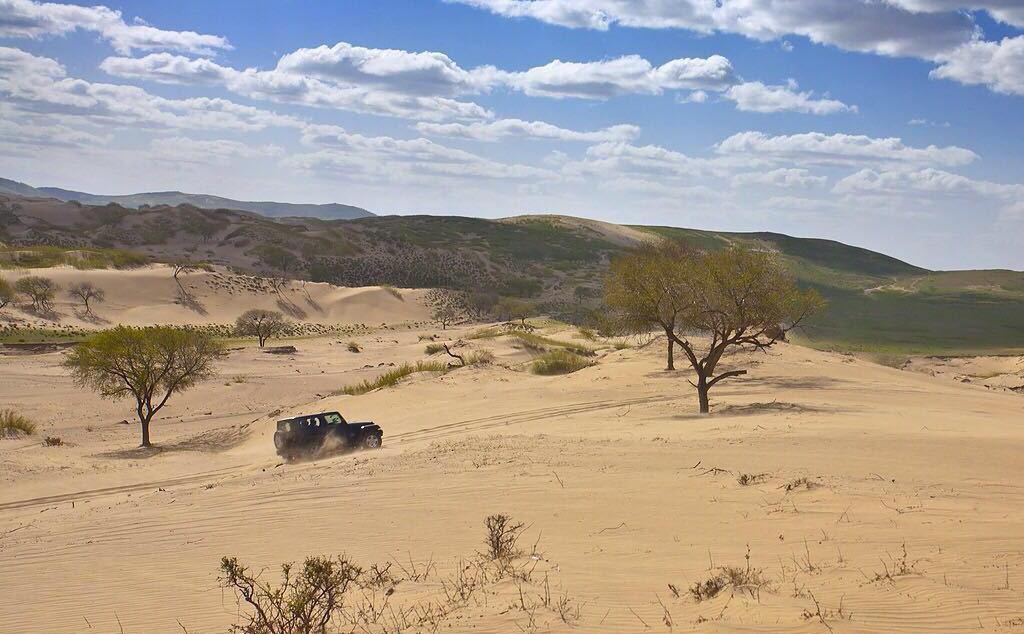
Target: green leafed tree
40,291
731,298
262,324
148,365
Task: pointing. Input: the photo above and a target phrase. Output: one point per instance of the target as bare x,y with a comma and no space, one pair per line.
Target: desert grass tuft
392,377
12,423
434,348
559,362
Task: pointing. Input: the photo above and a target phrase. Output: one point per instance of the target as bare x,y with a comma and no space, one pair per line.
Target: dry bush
746,579
394,292
434,348
13,424
801,483
502,537
479,356
53,441
353,347
749,479
898,566
559,362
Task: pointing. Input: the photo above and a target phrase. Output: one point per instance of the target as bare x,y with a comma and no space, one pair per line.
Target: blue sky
894,125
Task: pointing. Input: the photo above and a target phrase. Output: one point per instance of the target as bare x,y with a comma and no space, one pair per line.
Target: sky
896,125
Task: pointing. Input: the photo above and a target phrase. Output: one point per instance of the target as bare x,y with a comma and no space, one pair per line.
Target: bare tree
40,290
87,292
735,298
262,324
147,364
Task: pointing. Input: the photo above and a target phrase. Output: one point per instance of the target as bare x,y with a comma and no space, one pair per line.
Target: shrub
53,441
12,423
392,377
391,290
559,362
303,603
479,356
434,348
502,537
353,347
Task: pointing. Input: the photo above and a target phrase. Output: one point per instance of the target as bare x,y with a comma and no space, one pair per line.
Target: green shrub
11,423
479,356
392,377
434,348
559,362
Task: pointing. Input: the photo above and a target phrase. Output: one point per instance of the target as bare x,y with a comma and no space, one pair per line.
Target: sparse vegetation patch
559,362
13,424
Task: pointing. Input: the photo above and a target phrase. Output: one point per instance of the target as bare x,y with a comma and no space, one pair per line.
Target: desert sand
909,517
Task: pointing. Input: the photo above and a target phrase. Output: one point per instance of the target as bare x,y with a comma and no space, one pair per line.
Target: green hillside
876,302
879,303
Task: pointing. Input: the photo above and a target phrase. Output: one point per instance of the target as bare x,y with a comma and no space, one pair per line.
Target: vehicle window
332,419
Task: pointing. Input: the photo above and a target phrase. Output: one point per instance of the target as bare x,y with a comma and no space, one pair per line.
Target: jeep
310,434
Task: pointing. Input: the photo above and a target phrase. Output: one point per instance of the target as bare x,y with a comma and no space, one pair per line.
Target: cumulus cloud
630,74
284,86
504,128
838,149
928,181
856,25
997,65
754,96
29,19
39,85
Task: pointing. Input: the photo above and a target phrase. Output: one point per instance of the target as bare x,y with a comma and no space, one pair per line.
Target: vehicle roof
308,415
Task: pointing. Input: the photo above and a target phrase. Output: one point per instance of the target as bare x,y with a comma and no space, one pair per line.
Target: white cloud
838,149
782,177
697,96
630,74
857,25
997,65
929,123
753,96
504,128
39,85
928,181
287,87
1008,11
423,73
29,19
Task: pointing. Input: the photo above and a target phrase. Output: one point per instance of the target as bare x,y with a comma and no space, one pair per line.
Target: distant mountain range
329,211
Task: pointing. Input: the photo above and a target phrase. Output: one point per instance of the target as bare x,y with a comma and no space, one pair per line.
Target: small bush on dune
434,348
559,362
392,377
12,423
353,347
394,292
479,356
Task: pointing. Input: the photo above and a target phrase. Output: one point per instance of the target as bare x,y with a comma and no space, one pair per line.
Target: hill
876,302
202,201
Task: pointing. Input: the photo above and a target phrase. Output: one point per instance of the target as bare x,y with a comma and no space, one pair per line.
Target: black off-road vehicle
311,435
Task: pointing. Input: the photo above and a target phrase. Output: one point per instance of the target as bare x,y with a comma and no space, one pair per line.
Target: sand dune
150,295
625,489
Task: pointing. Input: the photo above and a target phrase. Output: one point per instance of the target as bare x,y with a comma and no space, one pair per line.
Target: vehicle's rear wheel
372,441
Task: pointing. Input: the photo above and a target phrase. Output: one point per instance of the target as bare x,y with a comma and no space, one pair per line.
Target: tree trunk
671,353
145,433
702,395
263,340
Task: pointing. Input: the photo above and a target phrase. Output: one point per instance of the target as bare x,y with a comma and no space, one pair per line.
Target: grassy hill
876,302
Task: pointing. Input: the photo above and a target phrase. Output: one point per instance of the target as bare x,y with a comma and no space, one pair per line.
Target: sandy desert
862,498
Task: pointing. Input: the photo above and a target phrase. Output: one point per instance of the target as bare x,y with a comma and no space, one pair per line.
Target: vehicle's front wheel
372,441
